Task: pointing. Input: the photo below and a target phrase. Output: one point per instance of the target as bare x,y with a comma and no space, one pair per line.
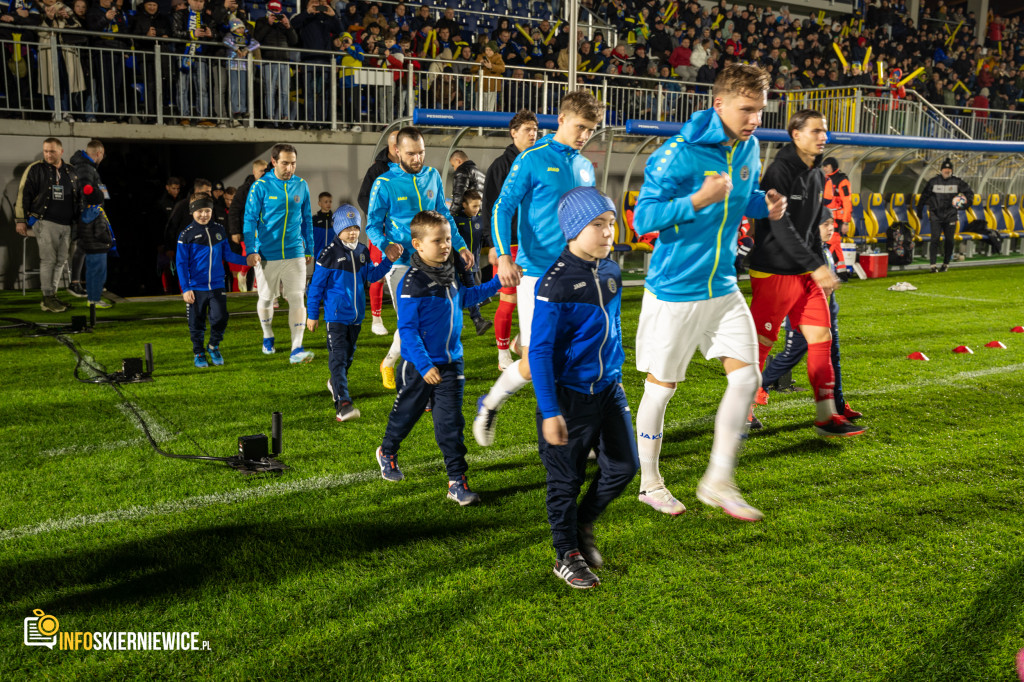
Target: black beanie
831,161
199,204
946,164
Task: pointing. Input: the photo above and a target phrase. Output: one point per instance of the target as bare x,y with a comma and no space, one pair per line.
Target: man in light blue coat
538,179
407,188
278,228
697,187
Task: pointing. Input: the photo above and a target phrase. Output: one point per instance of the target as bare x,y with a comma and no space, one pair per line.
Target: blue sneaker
389,470
300,356
215,357
459,491
268,346
200,361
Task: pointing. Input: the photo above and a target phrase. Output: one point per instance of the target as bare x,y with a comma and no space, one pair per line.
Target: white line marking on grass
955,298
335,481
158,432
84,449
233,496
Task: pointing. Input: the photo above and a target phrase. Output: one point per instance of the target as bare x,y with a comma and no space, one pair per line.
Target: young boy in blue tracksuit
576,358
339,282
203,247
430,324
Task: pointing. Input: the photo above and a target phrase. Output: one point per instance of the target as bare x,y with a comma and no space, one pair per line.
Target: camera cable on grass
253,456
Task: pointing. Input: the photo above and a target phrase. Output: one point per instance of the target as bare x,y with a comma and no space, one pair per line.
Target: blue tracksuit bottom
413,395
796,348
341,348
213,303
600,422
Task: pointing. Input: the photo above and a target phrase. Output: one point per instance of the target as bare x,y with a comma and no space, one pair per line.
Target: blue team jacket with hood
538,178
395,198
202,250
339,282
430,317
576,337
278,220
695,256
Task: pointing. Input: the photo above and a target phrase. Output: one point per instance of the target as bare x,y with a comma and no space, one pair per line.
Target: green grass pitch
894,556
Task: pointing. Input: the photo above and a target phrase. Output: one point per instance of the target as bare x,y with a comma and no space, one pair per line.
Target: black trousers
945,230
413,395
600,422
341,348
215,304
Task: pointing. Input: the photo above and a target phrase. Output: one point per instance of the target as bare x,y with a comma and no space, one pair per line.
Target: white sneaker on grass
378,327
504,359
662,500
727,496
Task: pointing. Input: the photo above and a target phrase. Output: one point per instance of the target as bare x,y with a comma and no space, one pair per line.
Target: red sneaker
838,427
851,413
762,397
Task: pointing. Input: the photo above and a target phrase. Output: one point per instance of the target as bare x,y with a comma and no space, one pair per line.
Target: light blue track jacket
395,198
695,255
278,220
538,178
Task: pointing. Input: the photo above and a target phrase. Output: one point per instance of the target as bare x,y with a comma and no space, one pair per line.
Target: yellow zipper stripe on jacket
284,231
721,228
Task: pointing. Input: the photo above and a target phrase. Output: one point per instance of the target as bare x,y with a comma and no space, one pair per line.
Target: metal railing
153,82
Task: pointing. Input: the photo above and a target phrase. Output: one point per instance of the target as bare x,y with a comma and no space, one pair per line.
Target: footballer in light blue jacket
539,177
397,196
278,220
695,256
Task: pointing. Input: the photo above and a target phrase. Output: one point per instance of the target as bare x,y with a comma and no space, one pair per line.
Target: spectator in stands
350,92
317,28
152,23
492,66
49,202
108,64
72,80
659,41
192,24
240,43
274,33
680,58
449,22
421,19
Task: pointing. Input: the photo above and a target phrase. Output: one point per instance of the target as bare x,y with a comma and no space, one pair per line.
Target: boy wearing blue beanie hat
576,357
342,272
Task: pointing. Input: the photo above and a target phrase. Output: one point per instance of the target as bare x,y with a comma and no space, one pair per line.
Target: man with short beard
406,189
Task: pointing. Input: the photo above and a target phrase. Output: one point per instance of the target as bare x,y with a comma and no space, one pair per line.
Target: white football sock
297,320
265,309
650,427
505,387
731,422
825,410
394,352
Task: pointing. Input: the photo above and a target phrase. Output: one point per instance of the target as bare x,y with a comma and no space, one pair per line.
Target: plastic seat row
874,214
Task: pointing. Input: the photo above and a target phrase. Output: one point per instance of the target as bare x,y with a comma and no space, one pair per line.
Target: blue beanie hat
578,207
345,216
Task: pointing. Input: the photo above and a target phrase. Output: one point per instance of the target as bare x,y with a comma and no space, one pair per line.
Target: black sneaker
585,536
573,569
482,326
76,289
347,411
944,267
52,304
754,424
838,427
934,267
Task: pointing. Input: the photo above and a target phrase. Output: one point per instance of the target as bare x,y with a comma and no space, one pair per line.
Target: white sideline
955,298
232,496
327,482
